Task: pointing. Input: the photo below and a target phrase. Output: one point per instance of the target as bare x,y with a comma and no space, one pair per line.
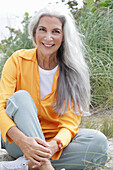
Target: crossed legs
88,148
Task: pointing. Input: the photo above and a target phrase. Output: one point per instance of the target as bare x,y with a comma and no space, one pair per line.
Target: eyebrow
40,26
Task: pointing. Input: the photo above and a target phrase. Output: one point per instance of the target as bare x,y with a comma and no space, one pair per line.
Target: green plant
18,39
107,128
88,124
97,28
105,125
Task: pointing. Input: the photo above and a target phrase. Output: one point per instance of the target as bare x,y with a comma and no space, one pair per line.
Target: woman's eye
41,29
56,31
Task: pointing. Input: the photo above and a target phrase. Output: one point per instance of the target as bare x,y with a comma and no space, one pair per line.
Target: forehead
51,21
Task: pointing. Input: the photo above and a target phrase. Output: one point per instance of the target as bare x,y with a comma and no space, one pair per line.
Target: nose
48,37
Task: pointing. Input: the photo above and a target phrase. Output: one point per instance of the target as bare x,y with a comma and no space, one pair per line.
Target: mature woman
43,94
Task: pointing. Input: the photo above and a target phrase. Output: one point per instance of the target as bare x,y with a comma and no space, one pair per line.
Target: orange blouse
21,73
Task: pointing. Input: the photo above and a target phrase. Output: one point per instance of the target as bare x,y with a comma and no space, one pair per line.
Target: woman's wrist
59,143
53,146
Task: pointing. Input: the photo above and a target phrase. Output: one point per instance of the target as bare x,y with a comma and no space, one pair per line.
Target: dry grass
97,121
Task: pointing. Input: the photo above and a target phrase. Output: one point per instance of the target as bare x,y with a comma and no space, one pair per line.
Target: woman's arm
68,128
35,149
7,88
29,146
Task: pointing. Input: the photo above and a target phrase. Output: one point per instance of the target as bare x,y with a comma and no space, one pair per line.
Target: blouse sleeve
7,88
68,128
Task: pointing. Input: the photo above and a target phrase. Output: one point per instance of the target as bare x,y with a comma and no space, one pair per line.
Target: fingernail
47,144
46,160
34,166
49,157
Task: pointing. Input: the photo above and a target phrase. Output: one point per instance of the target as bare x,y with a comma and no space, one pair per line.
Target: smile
48,45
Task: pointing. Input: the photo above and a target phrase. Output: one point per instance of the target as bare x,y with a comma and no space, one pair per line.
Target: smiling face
49,35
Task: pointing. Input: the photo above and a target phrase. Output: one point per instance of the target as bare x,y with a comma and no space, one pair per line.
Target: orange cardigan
21,73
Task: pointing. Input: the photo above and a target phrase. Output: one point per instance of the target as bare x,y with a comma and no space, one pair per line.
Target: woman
47,91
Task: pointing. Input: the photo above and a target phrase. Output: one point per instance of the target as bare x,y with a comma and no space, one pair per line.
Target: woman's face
49,35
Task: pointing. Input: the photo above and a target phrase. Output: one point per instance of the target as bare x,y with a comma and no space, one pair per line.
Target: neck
47,62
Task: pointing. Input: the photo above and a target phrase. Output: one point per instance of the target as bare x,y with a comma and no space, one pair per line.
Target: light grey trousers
87,149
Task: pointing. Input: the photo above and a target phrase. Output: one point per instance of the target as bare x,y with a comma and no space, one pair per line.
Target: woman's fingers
35,149
41,142
33,144
40,159
42,149
43,154
39,156
33,167
33,161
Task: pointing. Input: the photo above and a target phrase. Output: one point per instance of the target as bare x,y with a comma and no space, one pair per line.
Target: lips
48,45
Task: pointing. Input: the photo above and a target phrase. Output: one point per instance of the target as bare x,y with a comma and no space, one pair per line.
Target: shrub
97,26
18,39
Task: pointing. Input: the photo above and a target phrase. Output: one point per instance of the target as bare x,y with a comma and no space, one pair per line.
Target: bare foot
30,167
34,168
47,166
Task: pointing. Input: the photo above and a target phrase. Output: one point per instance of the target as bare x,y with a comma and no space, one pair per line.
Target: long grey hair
73,90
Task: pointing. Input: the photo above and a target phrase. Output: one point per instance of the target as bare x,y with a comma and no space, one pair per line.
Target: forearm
16,135
35,149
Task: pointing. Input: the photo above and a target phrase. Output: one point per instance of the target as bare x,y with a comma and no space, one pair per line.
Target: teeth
47,45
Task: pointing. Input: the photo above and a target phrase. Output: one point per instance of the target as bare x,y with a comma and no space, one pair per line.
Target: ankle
47,166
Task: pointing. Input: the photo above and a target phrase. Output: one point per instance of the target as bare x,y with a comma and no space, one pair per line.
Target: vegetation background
95,22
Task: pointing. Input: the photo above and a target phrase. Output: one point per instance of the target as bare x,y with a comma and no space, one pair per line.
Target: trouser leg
87,149
22,110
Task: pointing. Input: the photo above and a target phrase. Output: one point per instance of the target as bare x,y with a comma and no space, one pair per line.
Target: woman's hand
53,146
35,149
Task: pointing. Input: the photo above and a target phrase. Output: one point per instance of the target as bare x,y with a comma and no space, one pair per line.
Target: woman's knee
99,146
101,141
93,137
95,145
20,101
20,96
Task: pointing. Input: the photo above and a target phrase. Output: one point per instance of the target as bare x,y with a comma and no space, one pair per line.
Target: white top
46,81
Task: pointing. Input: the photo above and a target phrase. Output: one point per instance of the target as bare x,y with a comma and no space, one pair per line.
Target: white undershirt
46,81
